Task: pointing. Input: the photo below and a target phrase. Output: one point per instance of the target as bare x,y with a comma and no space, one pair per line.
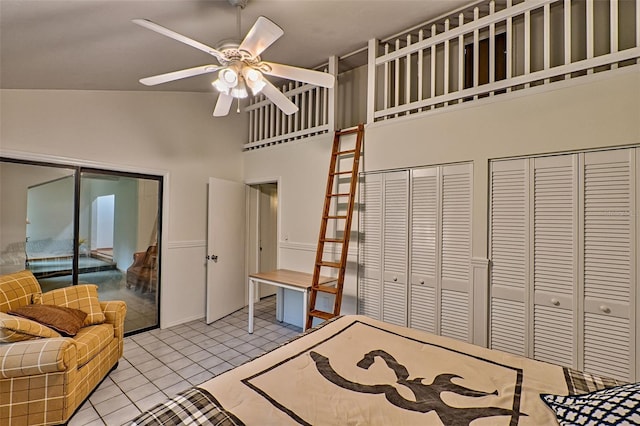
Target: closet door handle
421,281
605,309
395,279
555,302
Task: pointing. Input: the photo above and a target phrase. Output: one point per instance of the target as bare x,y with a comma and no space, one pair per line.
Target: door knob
213,257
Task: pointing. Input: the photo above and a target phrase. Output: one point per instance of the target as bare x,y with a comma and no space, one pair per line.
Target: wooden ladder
338,155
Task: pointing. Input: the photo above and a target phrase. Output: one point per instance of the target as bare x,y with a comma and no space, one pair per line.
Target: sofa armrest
37,356
114,312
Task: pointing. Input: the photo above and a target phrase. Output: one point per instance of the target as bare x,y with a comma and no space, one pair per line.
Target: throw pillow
619,405
15,329
66,321
83,297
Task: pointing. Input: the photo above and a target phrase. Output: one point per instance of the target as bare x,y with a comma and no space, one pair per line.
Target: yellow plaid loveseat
43,380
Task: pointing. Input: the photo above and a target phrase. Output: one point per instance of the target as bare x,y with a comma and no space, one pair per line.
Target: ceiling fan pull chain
238,110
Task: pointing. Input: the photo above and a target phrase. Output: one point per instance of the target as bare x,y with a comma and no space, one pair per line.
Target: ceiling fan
240,67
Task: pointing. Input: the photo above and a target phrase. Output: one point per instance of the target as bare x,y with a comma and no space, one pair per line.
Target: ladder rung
330,264
332,240
348,172
348,131
340,194
321,314
326,289
335,217
349,151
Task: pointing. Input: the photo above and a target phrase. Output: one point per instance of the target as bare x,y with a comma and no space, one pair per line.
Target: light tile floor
160,363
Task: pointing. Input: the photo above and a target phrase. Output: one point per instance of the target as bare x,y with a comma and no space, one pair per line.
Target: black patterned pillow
613,406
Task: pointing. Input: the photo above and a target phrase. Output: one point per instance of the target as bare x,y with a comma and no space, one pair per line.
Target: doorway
263,231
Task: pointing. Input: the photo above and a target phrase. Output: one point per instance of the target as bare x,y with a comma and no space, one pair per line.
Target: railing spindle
547,38
567,35
476,51
387,89
290,117
420,70
460,55
613,28
407,82
590,32
527,45
433,64
492,46
396,78
252,123
446,61
509,45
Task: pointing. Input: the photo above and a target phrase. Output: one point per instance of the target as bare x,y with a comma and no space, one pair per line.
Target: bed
356,370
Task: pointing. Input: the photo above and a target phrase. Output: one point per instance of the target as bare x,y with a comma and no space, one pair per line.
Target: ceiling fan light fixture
254,79
220,86
229,77
240,90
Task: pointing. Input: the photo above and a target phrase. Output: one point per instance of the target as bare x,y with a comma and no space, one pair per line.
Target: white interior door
226,282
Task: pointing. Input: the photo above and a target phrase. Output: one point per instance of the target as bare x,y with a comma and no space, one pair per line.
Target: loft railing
498,47
481,51
268,125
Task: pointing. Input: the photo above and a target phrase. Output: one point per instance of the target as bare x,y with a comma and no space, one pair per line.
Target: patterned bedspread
356,370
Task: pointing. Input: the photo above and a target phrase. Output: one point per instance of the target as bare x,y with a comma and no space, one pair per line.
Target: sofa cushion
17,289
91,340
15,329
83,297
66,321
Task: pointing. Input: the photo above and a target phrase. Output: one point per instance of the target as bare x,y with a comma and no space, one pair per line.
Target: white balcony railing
484,50
268,125
520,44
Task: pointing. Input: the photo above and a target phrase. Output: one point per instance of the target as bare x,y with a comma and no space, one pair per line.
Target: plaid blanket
193,406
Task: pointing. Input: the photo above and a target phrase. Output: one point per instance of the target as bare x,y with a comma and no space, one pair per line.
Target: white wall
600,111
161,132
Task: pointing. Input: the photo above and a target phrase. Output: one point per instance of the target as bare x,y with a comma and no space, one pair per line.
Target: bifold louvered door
395,203
555,258
610,263
563,248
382,282
424,250
455,244
370,246
508,251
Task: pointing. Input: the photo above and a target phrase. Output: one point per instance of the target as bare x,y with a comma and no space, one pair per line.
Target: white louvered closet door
370,246
555,258
395,202
455,235
508,251
424,249
610,280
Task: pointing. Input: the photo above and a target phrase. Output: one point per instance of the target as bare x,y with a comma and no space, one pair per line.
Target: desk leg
305,300
280,304
252,286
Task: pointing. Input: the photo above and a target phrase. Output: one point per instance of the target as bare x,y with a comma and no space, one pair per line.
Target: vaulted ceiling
93,45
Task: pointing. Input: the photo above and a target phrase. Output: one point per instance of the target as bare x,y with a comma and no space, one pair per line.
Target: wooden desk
283,278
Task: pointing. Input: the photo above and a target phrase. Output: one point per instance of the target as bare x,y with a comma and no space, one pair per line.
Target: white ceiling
93,45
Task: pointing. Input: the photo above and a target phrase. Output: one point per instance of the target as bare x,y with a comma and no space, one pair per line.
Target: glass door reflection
119,233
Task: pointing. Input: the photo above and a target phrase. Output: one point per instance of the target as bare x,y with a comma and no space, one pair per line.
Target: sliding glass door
74,225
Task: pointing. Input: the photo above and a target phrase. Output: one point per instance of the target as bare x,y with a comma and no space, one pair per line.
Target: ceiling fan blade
223,105
177,75
179,37
299,74
262,35
279,98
